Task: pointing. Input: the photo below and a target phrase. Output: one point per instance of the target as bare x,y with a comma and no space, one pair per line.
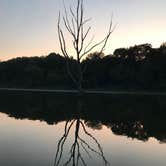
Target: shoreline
104,92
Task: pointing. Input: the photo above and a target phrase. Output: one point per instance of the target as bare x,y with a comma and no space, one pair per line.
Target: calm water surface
50,130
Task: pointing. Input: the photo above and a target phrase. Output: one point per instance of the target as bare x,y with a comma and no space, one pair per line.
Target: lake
94,130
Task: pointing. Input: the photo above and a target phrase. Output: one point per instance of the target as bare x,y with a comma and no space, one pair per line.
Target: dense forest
139,67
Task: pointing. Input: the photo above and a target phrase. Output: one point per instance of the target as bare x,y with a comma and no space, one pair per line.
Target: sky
29,27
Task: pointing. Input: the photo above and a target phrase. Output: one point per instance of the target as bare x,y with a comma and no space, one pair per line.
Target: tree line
139,67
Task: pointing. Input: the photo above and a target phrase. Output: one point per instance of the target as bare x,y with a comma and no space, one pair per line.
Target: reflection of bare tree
79,144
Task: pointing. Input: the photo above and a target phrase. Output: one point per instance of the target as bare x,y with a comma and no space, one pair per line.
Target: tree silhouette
75,24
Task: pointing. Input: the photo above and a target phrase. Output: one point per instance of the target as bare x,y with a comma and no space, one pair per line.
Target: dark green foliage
140,67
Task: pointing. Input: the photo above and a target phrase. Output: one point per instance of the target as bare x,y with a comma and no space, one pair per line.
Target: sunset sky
29,27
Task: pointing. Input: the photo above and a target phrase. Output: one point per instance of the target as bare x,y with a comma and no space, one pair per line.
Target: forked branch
75,24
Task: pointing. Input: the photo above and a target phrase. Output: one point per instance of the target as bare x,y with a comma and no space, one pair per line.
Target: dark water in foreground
48,130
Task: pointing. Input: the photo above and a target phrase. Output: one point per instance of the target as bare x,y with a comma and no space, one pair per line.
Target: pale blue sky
29,27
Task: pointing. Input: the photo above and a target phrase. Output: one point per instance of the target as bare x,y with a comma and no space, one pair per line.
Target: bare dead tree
75,23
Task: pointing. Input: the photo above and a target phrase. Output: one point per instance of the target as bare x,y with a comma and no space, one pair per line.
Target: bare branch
105,40
85,21
72,13
86,34
74,23
64,51
94,46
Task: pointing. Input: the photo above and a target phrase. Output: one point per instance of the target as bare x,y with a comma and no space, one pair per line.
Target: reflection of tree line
79,144
134,116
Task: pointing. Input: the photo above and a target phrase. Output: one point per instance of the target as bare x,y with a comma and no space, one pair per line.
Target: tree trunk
80,89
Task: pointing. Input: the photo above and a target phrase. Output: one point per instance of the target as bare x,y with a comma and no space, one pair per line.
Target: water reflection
79,144
134,116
